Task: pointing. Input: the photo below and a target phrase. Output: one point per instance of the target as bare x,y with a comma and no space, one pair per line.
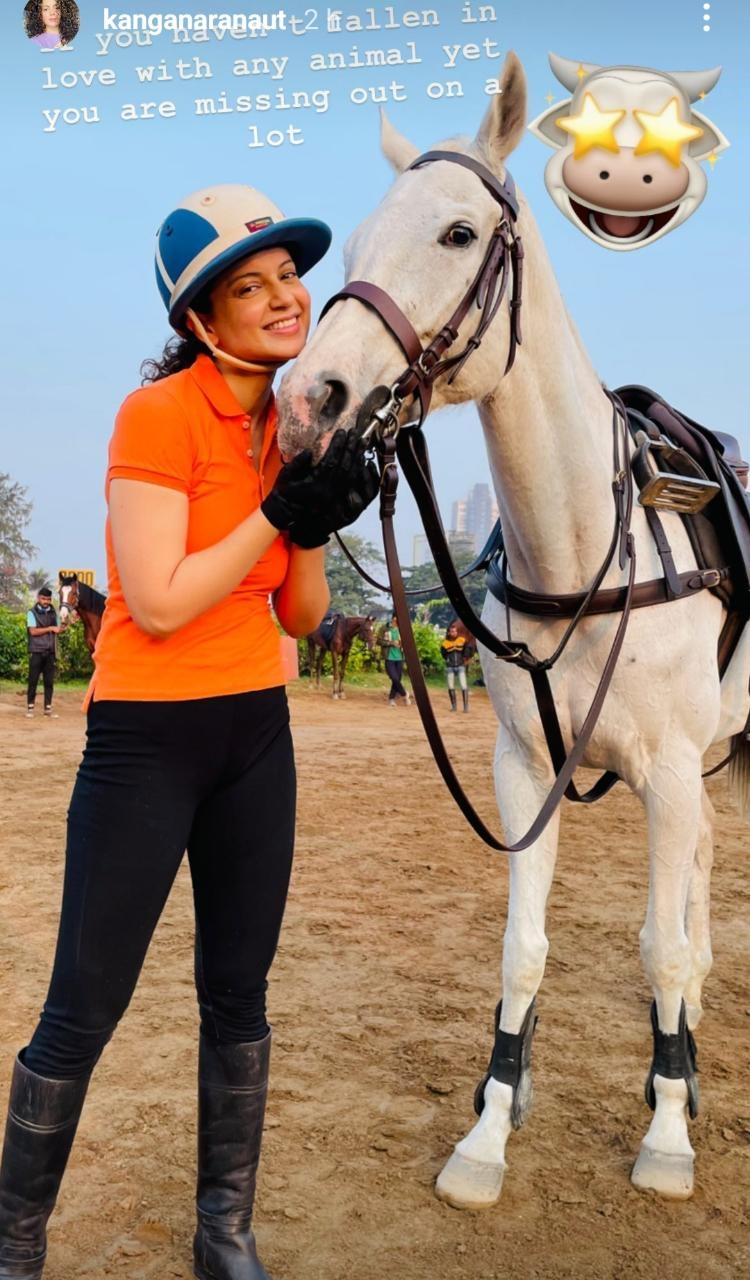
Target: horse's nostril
330,400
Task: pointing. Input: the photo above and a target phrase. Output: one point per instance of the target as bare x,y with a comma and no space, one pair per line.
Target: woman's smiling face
260,309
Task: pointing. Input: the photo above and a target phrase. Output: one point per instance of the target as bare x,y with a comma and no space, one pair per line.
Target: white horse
548,432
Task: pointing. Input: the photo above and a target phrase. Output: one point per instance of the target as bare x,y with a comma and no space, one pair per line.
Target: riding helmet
216,227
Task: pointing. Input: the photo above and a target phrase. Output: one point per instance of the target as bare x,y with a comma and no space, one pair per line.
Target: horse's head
424,245
68,595
366,633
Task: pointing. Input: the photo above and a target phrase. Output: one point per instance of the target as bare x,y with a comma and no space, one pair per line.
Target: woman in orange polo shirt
188,743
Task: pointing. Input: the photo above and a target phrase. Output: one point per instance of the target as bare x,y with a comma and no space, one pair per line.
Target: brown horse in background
79,598
335,636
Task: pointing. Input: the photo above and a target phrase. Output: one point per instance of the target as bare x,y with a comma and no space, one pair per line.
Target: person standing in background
42,630
394,663
456,653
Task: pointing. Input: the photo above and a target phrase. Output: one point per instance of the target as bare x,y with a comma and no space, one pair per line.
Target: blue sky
84,201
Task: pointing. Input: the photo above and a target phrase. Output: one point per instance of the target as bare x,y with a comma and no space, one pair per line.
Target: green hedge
13,648
428,648
73,658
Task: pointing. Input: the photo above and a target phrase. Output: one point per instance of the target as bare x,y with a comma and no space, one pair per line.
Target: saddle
719,531
327,628
683,467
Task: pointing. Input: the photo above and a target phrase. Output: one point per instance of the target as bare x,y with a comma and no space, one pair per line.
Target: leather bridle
503,259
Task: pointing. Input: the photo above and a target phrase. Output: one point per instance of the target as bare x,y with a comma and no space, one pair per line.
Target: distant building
458,516
472,519
421,553
481,512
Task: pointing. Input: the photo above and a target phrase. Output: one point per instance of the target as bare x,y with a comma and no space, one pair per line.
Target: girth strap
607,600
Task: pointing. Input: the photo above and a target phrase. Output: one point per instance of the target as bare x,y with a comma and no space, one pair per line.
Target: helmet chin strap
247,366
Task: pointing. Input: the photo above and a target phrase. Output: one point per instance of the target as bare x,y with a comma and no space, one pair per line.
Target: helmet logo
258,224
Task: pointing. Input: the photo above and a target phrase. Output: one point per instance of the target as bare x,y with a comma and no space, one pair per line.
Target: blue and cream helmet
216,227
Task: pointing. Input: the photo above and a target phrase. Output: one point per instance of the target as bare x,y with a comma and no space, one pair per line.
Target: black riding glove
309,534
311,500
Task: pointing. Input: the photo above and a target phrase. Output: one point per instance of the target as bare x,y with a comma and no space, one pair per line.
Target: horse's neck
548,428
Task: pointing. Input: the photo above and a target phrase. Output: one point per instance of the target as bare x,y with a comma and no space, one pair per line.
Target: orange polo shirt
187,432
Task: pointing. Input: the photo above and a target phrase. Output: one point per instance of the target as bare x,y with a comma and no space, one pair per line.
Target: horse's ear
397,149
505,119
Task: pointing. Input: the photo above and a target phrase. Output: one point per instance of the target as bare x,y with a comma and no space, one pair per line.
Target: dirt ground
381,1001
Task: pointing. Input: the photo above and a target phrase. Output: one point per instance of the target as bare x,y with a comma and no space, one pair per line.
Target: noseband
503,261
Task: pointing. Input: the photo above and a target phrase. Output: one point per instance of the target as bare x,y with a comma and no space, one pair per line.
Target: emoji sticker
627,147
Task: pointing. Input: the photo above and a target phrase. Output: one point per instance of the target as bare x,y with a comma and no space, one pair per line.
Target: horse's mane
92,600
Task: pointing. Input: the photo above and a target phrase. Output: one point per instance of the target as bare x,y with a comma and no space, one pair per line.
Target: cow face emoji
626,169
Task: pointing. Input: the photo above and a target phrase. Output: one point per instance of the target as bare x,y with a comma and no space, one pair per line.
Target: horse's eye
459,236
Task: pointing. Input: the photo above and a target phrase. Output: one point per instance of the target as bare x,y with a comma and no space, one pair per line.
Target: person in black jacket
456,651
42,630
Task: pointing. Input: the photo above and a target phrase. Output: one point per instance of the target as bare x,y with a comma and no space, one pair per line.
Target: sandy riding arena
381,1001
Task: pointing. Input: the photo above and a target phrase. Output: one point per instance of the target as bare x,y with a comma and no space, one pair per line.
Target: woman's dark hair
69,19
179,352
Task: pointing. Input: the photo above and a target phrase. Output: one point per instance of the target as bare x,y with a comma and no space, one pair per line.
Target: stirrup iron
684,494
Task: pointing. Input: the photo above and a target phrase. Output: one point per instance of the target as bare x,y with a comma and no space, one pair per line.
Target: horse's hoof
469,1184
668,1175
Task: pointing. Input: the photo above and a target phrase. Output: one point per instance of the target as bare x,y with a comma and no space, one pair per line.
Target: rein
404,443
482,561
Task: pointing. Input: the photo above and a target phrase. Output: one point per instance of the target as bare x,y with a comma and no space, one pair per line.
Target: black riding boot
42,1120
232,1084
465,696
452,696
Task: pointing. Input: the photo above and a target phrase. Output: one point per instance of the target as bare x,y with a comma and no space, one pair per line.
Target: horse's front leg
673,800
336,678
312,662
473,1176
342,671
698,916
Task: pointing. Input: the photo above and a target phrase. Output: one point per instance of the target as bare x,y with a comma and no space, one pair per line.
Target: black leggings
214,776
395,670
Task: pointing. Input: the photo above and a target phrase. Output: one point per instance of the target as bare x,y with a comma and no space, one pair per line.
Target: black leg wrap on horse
511,1064
675,1058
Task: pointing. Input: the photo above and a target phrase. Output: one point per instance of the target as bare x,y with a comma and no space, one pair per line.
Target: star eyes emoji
663,132
592,128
